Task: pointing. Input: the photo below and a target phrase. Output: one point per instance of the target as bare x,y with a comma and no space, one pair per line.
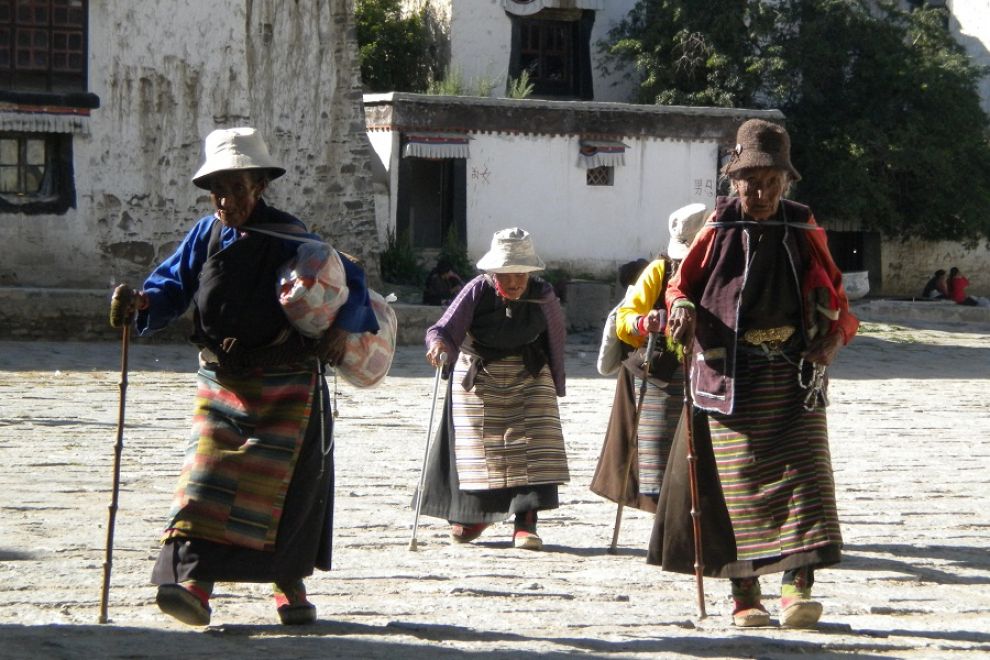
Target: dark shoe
466,532
186,602
291,604
524,534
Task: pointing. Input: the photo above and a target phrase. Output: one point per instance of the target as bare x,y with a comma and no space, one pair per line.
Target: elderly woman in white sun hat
638,463
499,450
254,498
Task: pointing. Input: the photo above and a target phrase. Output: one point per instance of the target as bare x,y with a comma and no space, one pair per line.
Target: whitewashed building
104,105
593,182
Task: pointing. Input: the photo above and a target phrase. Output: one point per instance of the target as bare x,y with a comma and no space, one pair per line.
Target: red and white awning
436,145
599,153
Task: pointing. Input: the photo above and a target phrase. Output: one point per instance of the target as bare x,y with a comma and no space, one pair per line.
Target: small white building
593,182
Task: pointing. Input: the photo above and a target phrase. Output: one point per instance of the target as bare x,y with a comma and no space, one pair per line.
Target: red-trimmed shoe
291,604
746,615
748,612
466,532
797,609
189,602
524,534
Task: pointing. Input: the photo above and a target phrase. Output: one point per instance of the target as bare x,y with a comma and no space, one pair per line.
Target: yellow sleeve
639,300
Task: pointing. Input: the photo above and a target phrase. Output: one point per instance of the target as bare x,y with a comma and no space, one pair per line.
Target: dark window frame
44,45
578,83
58,191
603,175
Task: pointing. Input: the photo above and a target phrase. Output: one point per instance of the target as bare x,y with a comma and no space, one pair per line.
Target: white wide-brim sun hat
512,251
684,223
232,149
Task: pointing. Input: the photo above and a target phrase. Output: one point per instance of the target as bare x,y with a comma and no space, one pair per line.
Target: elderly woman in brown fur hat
759,305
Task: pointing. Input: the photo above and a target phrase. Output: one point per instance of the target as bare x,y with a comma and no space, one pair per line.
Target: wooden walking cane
650,343
426,453
692,461
117,450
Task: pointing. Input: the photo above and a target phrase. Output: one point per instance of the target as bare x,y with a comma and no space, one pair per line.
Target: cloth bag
312,288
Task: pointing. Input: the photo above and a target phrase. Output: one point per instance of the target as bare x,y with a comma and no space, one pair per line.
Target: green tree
395,49
881,104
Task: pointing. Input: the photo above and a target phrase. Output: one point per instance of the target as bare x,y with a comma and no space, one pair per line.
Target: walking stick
117,449
650,343
426,454
692,461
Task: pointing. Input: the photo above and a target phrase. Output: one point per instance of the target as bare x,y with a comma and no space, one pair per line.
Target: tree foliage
881,104
395,49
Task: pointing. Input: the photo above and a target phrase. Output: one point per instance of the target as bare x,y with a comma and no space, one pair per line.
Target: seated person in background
936,288
442,284
957,289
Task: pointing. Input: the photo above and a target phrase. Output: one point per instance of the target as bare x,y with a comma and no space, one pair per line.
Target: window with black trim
36,173
554,48
600,176
43,45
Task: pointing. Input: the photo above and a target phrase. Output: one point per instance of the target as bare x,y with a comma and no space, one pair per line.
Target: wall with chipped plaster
167,73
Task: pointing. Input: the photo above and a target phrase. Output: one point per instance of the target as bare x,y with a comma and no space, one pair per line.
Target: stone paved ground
909,425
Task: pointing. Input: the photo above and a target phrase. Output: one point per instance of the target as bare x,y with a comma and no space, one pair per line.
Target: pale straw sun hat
231,149
512,251
684,223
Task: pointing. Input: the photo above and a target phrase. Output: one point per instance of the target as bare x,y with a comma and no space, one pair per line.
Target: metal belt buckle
770,338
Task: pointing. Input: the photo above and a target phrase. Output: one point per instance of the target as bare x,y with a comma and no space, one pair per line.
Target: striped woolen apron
774,464
657,423
507,428
246,436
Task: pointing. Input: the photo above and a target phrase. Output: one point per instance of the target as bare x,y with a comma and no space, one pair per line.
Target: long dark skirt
443,498
784,488
305,532
661,410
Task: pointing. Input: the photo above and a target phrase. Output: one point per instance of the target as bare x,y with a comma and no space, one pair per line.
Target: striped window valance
43,122
436,145
598,153
530,7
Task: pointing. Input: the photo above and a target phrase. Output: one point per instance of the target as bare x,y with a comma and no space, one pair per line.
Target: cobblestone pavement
909,424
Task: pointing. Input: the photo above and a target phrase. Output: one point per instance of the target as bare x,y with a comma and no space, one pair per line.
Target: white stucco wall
970,24
167,73
533,182
907,265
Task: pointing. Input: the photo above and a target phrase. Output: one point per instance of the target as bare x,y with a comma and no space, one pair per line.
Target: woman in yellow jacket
641,313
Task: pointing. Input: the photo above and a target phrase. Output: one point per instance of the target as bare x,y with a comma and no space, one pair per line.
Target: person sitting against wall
936,288
957,290
442,284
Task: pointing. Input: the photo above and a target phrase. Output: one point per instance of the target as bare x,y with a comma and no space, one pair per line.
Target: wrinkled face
234,195
760,190
512,285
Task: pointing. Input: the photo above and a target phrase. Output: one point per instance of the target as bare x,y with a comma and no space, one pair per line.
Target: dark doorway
431,201
855,251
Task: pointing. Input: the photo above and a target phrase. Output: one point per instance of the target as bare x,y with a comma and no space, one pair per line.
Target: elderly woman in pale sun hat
637,463
499,450
254,498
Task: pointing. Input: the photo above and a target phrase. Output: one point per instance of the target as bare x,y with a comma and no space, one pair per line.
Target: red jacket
713,275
